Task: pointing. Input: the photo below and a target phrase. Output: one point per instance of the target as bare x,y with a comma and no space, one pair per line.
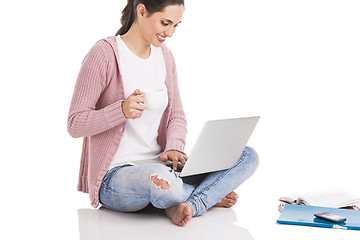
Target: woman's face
160,25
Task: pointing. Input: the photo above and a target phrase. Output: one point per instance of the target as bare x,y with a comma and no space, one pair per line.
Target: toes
184,221
228,201
236,196
232,195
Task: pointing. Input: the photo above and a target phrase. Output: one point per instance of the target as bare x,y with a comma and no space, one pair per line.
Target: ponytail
127,18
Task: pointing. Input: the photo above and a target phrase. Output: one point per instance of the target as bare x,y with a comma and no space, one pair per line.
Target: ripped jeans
129,188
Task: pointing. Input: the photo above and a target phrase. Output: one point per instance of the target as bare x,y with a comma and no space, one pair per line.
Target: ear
141,10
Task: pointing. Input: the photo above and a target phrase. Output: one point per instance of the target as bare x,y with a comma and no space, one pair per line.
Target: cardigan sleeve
177,125
84,119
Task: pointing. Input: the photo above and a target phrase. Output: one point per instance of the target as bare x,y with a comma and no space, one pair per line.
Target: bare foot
180,214
228,201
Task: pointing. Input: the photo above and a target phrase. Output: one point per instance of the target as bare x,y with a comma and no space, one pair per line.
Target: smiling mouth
160,38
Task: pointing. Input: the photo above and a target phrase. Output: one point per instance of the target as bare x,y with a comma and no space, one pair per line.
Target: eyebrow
170,21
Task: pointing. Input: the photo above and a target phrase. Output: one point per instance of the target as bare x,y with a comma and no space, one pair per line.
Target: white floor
240,222
72,217
107,224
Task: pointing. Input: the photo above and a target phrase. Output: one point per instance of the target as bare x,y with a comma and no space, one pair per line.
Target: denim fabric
129,188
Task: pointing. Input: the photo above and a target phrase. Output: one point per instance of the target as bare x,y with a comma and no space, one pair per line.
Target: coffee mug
155,98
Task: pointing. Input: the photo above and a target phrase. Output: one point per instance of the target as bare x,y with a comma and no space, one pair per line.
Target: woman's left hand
175,157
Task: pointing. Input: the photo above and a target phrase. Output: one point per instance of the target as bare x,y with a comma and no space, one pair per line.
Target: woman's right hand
131,107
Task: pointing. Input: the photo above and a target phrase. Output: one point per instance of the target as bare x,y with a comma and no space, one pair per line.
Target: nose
170,32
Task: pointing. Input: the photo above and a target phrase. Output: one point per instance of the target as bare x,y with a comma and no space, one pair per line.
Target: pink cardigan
95,113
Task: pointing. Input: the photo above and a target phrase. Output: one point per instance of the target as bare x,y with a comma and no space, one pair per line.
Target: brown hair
152,6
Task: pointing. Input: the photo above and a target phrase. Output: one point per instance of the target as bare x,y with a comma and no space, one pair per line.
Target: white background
294,63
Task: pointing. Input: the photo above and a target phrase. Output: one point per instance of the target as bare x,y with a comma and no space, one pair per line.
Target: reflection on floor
149,223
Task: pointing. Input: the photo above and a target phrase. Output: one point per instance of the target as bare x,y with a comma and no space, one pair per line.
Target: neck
134,40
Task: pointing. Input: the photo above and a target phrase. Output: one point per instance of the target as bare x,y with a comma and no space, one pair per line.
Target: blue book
304,215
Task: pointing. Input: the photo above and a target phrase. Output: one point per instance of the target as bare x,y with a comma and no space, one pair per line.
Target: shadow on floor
152,223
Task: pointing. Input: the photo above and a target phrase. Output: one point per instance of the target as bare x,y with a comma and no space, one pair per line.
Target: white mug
155,98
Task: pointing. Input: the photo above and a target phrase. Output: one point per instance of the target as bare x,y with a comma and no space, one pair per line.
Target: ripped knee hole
160,183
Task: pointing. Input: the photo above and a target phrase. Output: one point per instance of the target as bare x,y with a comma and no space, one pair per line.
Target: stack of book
301,210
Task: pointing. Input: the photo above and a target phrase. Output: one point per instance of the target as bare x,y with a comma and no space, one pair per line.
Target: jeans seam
123,194
159,203
108,176
106,180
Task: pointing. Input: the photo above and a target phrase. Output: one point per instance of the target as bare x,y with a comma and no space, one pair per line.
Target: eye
164,23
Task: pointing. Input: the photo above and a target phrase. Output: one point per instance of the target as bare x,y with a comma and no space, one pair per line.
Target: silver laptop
219,145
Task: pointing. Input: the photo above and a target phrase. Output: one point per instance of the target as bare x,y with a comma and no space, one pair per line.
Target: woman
125,144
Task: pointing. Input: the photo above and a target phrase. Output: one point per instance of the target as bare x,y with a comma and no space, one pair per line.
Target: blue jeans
130,188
